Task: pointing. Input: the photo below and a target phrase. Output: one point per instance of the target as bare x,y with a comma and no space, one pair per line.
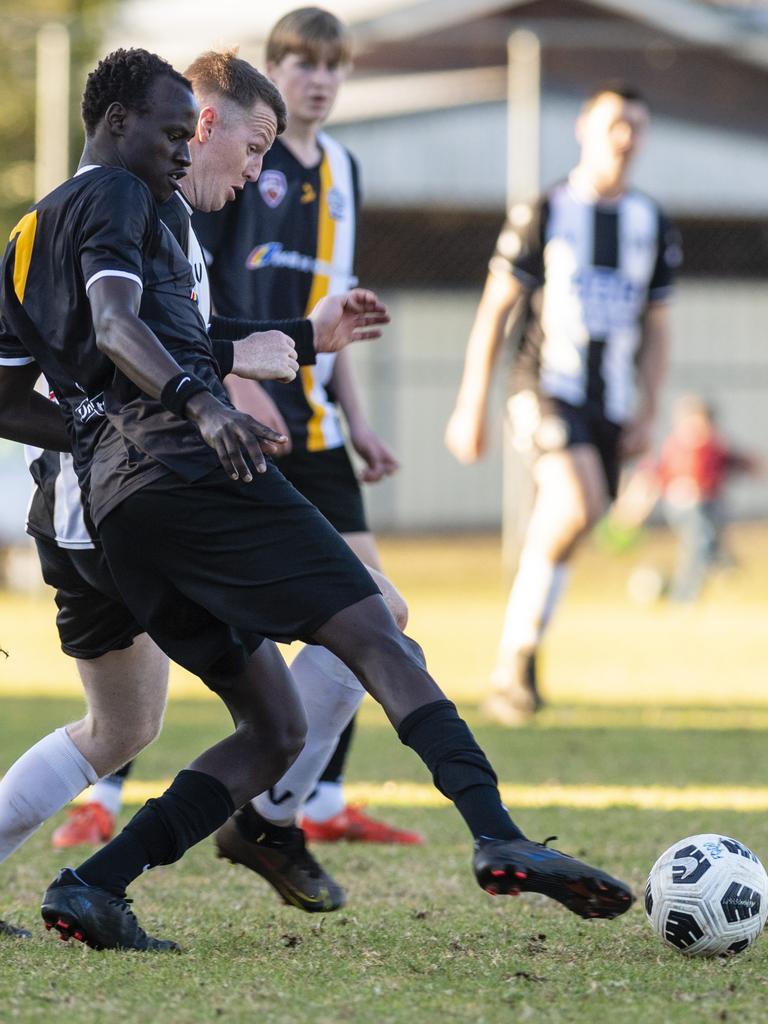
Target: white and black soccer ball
707,894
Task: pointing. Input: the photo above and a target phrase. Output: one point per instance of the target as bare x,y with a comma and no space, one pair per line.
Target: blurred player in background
689,476
286,241
584,274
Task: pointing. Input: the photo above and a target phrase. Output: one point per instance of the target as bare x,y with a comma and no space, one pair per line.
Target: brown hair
226,74
614,87
309,31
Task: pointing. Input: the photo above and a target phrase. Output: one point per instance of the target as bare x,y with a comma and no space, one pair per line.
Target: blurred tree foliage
19,24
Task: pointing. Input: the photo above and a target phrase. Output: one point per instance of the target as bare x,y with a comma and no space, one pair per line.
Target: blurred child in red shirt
691,473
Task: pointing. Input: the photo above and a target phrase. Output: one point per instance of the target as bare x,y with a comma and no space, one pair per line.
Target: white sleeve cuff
114,273
16,360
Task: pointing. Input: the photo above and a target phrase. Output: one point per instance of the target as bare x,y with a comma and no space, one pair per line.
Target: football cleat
96,917
511,866
88,825
354,826
514,701
285,863
11,931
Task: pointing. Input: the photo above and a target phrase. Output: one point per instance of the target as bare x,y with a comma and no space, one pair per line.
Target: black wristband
178,391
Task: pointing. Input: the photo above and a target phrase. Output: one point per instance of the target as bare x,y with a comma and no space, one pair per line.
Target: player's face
227,151
309,83
612,130
155,145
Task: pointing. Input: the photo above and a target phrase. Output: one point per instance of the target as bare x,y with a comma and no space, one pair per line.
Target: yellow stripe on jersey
24,233
326,235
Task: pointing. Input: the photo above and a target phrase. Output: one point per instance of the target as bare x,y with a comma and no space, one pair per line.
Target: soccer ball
707,894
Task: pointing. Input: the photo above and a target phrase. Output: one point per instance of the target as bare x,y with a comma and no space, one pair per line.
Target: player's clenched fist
239,440
266,355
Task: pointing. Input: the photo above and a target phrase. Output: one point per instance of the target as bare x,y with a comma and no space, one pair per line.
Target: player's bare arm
340,320
236,438
380,461
651,367
25,415
466,432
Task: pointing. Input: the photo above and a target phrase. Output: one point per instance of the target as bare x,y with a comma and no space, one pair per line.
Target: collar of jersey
88,167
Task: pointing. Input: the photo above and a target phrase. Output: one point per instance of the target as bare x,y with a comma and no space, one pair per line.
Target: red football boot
354,826
88,825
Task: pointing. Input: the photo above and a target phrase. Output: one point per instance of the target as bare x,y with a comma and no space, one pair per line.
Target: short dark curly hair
124,76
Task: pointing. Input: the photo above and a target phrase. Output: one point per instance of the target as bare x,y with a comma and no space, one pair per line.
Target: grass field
656,730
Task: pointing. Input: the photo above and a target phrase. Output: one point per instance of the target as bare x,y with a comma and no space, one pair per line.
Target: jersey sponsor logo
609,300
272,254
337,203
273,186
90,408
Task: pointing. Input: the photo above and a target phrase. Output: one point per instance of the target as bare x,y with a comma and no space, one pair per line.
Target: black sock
334,770
460,770
253,826
193,806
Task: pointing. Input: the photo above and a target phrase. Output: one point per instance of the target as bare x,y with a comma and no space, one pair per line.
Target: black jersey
104,222
590,268
285,242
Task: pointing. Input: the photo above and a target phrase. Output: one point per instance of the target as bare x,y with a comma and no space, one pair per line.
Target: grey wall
410,382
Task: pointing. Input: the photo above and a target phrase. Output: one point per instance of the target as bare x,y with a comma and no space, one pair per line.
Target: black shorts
328,480
210,568
541,424
92,618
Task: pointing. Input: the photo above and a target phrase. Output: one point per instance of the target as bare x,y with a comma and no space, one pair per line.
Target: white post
523,183
52,108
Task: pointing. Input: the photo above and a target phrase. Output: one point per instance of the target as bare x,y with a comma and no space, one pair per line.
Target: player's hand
339,320
636,437
266,355
466,435
379,459
239,440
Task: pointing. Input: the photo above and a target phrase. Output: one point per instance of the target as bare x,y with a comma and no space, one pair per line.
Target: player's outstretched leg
89,903
391,667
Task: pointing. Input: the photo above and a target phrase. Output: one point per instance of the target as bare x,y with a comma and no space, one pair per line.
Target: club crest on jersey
336,203
273,186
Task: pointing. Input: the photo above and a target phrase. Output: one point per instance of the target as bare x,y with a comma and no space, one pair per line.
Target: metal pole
52,108
523,183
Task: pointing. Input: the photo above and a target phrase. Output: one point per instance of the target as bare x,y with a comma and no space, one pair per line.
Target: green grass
418,940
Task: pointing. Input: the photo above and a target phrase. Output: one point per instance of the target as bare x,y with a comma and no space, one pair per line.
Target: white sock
326,801
40,783
109,793
331,694
525,613
556,590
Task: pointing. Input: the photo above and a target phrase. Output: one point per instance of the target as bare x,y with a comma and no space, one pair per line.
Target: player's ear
206,120
115,118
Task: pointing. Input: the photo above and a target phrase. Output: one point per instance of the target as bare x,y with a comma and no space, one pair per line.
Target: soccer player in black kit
213,551
284,241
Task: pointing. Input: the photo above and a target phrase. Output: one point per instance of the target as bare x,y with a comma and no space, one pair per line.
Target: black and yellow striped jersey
286,241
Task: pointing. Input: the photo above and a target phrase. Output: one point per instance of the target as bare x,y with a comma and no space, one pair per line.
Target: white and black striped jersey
590,269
